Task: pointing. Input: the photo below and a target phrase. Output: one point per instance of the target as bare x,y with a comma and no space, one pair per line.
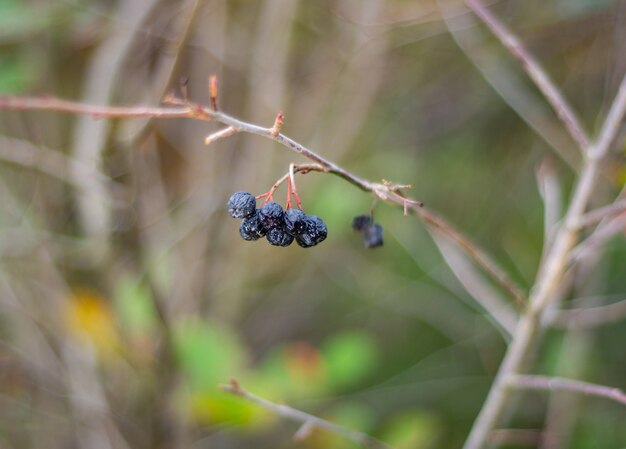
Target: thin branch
550,191
97,112
597,215
548,281
530,382
307,420
221,134
51,162
588,317
510,87
611,124
386,191
535,72
500,313
476,254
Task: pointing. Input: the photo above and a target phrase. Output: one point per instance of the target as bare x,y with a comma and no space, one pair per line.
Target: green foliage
135,308
349,357
414,429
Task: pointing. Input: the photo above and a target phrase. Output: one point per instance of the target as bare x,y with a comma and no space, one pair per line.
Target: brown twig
534,70
180,108
308,421
213,91
221,134
278,124
530,382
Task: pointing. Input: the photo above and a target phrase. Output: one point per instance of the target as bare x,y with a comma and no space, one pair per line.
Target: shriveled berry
315,232
251,228
373,235
294,222
361,221
278,237
241,205
271,215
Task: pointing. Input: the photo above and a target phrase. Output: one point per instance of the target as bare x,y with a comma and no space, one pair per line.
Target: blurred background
127,295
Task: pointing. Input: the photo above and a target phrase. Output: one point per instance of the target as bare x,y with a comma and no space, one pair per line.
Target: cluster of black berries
279,227
372,232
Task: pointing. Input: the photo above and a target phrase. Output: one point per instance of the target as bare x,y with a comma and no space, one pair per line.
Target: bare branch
535,72
548,281
510,87
386,191
308,421
500,313
530,382
597,215
589,317
221,134
550,191
611,124
475,253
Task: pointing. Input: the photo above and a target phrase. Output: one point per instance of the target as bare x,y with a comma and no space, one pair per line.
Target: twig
278,124
307,420
535,72
516,437
221,134
476,254
548,279
513,90
500,313
597,215
213,91
180,108
530,382
550,191
589,317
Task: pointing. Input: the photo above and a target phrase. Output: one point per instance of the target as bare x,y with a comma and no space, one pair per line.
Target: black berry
314,233
373,235
241,205
271,215
278,237
361,221
294,222
251,228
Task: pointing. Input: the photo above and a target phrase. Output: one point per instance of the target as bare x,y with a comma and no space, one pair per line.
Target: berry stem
292,182
288,205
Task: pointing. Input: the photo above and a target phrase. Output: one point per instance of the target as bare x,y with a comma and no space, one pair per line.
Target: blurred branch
506,83
308,421
385,191
48,161
597,215
530,382
535,72
500,313
588,317
550,191
549,276
516,437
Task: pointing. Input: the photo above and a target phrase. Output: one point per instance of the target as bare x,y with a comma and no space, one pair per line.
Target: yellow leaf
90,319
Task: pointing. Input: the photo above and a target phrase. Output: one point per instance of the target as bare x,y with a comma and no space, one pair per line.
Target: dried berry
314,233
241,205
251,228
271,215
278,237
361,221
373,235
294,222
